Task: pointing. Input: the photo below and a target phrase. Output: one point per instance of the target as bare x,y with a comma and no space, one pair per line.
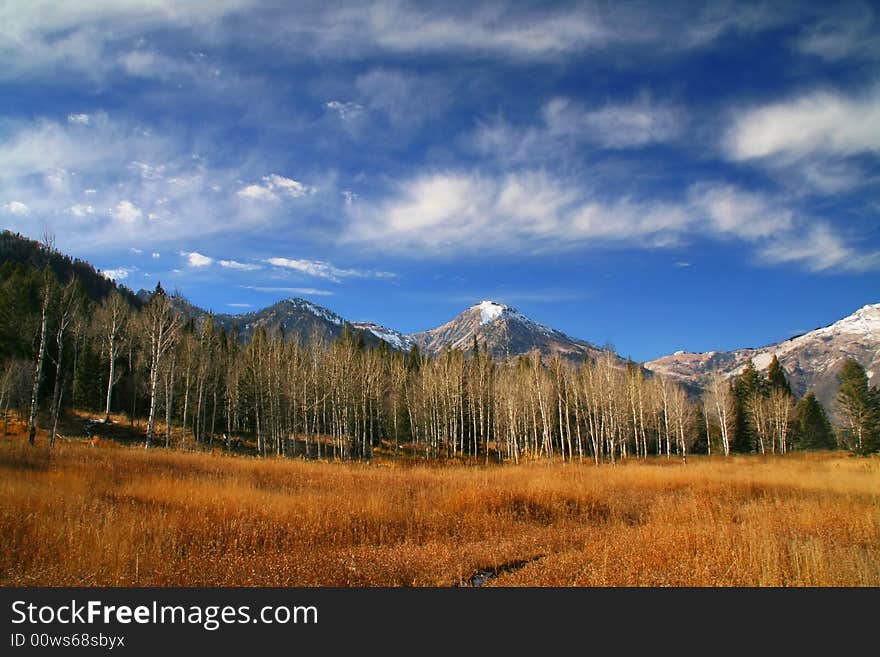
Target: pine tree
812,428
859,406
414,359
745,386
776,379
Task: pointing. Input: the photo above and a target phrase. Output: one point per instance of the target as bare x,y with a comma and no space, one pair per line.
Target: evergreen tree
414,359
745,386
776,379
859,406
812,427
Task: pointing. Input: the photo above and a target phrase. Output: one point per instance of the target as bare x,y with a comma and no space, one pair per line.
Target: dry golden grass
126,516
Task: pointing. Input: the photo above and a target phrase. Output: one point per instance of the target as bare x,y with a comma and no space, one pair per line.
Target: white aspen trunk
38,367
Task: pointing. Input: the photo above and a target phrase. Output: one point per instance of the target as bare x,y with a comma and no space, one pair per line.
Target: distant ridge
811,361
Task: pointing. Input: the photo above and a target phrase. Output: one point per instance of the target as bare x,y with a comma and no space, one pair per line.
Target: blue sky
658,176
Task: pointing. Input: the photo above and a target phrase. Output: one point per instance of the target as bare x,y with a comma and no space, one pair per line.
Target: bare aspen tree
68,307
781,407
719,402
112,320
758,409
46,293
161,324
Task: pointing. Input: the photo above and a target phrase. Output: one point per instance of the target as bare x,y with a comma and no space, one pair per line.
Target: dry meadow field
124,516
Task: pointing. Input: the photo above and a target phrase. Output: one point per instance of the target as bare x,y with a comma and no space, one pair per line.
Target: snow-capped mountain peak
811,361
864,321
490,311
502,331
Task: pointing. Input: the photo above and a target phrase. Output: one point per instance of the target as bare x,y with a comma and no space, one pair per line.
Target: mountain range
812,361
500,330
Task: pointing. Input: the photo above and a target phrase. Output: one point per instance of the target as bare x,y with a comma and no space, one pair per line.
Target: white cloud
239,305
820,249
348,197
273,187
41,36
149,171
532,212
123,175
347,111
240,266
849,32
126,212
823,123
79,119
290,290
729,210
80,210
566,125
287,186
119,274
195,259
316,268
257,192
16,208
618,125
136,251
528,211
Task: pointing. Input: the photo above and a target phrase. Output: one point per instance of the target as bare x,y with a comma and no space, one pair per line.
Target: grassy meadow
123,516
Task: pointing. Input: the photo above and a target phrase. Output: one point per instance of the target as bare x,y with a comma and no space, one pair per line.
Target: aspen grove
341,399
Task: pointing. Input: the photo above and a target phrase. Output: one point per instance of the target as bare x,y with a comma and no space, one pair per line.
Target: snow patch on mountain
318,311
864,321
490,311
762,361
394,338
811,361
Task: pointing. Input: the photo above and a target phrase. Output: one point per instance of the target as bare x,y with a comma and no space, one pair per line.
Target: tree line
197,384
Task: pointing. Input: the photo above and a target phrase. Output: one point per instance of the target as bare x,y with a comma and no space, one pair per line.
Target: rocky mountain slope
811,361
504,332
395,339
297,318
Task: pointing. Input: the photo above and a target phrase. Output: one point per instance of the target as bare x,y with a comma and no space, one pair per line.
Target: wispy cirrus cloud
820,249
818,123
239,266
565,126
618,125
309,291
321,269
110,182
533,212
816,139
97,40
848,33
